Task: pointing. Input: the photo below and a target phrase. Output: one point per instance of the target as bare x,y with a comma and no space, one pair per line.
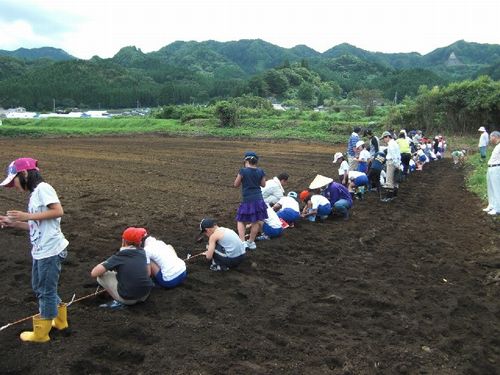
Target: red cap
304,194
134,235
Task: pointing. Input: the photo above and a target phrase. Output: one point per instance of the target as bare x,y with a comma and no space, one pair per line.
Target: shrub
227,113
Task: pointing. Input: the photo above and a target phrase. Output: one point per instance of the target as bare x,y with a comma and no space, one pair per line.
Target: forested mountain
38,53
198,72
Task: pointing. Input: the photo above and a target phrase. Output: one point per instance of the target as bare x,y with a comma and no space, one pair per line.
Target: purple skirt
251,212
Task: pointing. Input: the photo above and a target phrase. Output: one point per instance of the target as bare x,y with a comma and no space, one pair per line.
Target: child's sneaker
262,237
113,305
250,245
218,267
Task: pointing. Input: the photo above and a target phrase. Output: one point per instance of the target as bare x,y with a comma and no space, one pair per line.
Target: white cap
481,129
337,156
359,143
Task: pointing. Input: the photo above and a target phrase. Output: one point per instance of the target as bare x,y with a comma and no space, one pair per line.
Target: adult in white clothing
274,190
493,176
483,142
393,159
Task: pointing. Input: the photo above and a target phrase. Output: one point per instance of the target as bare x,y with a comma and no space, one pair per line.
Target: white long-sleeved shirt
393,153
495,156
273,191
483,140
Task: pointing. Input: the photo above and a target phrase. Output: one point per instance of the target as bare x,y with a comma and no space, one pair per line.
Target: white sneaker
250,245
487,209
492,212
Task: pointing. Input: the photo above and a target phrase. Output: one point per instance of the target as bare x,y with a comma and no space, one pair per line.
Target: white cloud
101,27
18,34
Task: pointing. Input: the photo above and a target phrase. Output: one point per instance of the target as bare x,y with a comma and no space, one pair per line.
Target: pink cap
18,165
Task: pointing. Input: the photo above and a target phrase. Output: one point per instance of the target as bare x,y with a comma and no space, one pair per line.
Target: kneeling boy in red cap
125,274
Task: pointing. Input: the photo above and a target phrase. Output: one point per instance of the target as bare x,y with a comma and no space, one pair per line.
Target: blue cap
250,155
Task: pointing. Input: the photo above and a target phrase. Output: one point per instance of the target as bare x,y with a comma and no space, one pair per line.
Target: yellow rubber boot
41,329
61,320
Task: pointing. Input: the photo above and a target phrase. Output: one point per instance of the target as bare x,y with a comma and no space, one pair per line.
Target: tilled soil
410,286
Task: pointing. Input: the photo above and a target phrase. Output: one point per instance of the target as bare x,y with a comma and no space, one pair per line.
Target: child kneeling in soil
125,275
271,227
316,206
165,267
225,248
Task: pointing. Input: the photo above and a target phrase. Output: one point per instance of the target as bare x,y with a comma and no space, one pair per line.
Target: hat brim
320,181
9,181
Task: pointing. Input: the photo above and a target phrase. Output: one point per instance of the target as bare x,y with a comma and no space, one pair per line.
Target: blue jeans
482,152
341,206
44,278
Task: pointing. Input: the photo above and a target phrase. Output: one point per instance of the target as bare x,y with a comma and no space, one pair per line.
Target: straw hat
320,181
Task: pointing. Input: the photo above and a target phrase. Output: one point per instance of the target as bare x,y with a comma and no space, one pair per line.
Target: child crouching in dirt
316,206
165,267
49,245
225,248
458,157
271,227
125,275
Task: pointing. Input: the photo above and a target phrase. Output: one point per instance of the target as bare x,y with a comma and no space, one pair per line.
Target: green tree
276,81
306,94
227,113
369,99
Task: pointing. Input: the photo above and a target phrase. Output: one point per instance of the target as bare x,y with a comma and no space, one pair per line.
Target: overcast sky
85,28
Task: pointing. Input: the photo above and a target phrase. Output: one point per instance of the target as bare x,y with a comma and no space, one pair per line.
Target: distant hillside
251,56
51,53
466,52
199,72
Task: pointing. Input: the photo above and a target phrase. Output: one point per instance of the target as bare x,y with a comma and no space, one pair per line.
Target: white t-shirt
272,218
289,202
364,155
45,235
318,200
344,166
165,257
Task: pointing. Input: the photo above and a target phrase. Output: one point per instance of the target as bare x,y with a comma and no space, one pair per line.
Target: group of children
143,261
382,167
128,276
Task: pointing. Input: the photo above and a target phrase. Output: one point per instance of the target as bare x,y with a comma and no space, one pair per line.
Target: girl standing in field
253,209
49,245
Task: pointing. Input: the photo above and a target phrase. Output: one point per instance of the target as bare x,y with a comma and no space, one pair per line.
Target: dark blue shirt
131,272
250,184
378,161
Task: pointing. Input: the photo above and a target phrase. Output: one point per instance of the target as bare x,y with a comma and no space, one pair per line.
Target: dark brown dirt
406,287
